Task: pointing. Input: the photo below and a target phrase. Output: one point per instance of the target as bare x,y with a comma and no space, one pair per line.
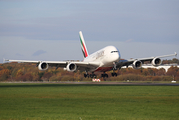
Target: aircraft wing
80,64
154,60
50,63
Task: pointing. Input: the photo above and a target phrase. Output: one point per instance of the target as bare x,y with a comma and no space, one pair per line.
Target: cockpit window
113,51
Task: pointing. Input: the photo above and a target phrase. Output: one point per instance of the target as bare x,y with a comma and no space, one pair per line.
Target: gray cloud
19,55
39,52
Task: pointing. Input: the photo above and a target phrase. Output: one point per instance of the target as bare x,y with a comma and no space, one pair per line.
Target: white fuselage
107,57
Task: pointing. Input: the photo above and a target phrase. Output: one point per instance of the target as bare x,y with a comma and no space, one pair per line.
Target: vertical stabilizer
83,46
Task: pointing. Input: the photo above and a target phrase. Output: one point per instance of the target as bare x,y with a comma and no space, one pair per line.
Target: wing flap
23,61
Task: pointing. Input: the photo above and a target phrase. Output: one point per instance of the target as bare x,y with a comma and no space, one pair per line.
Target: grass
88,102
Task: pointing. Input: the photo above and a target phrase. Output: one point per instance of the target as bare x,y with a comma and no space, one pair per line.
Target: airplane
105,59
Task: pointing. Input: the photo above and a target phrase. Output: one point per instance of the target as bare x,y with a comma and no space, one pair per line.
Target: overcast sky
48,30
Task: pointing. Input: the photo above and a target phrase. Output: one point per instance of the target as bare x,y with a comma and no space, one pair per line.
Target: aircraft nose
116,57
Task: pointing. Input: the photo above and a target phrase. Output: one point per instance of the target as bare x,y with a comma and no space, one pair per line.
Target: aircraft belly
103,69
105,66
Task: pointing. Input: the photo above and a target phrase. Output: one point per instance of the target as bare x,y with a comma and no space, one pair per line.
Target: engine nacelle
156,62
43,66
71,67
137,64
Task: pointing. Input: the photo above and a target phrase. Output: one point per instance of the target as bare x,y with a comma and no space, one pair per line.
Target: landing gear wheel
92,75
104,75
114,74
86,75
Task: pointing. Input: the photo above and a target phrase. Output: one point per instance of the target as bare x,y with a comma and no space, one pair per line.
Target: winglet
175,54
4,60
83,46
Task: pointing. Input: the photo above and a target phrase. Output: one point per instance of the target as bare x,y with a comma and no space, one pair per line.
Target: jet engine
156,62
43,66
71,67
137,64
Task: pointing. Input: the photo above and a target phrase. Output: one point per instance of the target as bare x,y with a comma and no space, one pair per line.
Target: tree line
29,72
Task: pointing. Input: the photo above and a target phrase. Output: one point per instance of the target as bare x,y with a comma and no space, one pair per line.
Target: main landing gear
90,75
104,75
114,74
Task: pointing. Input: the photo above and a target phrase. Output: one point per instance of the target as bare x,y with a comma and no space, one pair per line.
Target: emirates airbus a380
106,59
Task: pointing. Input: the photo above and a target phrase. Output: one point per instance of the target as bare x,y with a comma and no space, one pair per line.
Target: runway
103,83
120,83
